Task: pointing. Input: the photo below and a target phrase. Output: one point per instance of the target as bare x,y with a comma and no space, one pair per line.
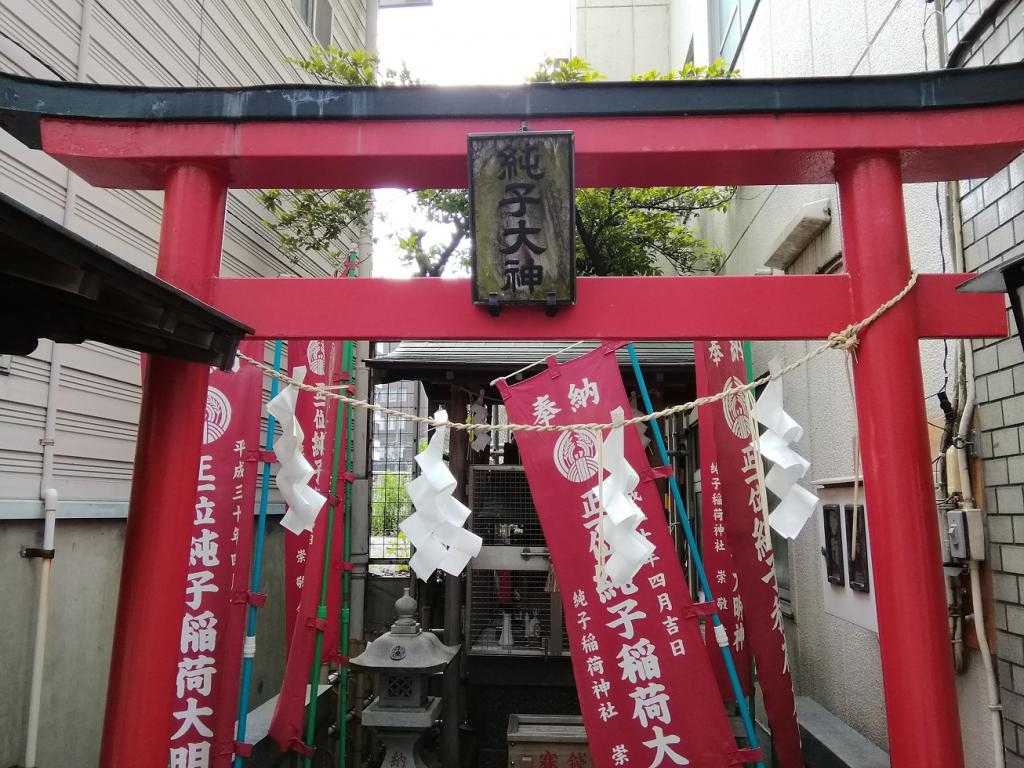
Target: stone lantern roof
406,647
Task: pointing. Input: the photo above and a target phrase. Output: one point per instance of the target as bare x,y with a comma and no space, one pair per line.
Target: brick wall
982,33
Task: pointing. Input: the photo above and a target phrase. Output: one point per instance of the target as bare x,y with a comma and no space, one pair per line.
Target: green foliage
321,221
326,221
389,504
625,231
690,71
574,70
619,231
334,65
449,207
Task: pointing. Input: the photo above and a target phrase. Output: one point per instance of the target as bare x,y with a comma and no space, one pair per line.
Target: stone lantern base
401,729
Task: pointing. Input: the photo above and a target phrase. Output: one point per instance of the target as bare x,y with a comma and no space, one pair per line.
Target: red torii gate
868,134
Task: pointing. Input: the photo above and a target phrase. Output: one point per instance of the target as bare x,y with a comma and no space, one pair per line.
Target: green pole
321,611
748,364
346,575
348,364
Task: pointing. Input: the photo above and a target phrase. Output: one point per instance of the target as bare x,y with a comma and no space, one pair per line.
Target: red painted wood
147,628
913,634
634,308
610,151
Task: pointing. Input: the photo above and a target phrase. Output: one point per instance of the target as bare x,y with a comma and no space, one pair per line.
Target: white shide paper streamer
478,415
788,467
294,473
435,528
628,549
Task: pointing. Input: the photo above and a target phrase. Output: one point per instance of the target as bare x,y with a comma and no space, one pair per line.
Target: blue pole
741,703
254,576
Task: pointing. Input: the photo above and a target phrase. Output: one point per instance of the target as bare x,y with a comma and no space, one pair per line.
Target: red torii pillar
911,609
870,154
147,629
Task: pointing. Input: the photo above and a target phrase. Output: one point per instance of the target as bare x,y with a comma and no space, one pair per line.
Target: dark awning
57,285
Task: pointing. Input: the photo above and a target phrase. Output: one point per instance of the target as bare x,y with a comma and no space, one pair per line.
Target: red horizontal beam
610,151
634,308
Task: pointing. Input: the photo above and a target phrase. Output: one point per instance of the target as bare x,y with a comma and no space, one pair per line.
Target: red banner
304,553
316,415
213,623
720,365
715,553
644,680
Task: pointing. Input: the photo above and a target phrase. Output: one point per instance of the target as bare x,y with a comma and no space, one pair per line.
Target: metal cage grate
503,512
521,596
394,443
514,607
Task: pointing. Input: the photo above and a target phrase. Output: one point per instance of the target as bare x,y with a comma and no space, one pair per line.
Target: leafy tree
389,503
326,221
620,231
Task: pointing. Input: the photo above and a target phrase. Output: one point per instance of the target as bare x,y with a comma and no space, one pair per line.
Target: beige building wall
834,649
117,42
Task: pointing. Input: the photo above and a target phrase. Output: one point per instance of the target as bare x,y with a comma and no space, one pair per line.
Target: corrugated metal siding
148,43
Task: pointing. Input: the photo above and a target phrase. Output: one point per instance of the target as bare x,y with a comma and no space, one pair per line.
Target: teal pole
730,667
254,577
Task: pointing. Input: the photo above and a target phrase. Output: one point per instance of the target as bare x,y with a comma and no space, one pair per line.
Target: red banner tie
318,624
241,749
745,756
655,473
255,599
300,747
696,609
267,457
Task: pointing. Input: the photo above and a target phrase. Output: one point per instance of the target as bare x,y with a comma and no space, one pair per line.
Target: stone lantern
402,662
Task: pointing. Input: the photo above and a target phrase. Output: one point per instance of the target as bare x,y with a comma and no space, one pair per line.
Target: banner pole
748,367
249,647
741,703
321,611
348,365
347,422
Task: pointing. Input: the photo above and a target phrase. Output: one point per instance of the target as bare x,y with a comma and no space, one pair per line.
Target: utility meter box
536,741
966,534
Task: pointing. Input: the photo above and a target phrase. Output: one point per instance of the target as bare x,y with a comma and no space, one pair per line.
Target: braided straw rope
846,339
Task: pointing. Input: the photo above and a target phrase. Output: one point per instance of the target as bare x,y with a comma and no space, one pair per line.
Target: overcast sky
458,42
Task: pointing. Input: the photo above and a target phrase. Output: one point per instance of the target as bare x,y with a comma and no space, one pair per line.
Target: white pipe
39,647
995,709
965,426
46,490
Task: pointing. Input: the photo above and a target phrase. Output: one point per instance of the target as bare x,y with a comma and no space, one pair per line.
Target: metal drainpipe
47,492
42,612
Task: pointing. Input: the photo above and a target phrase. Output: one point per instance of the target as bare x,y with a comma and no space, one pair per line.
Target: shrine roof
25,101
942,124
57,285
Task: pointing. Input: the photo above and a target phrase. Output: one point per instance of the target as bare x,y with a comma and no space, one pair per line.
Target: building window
316,16
729,20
